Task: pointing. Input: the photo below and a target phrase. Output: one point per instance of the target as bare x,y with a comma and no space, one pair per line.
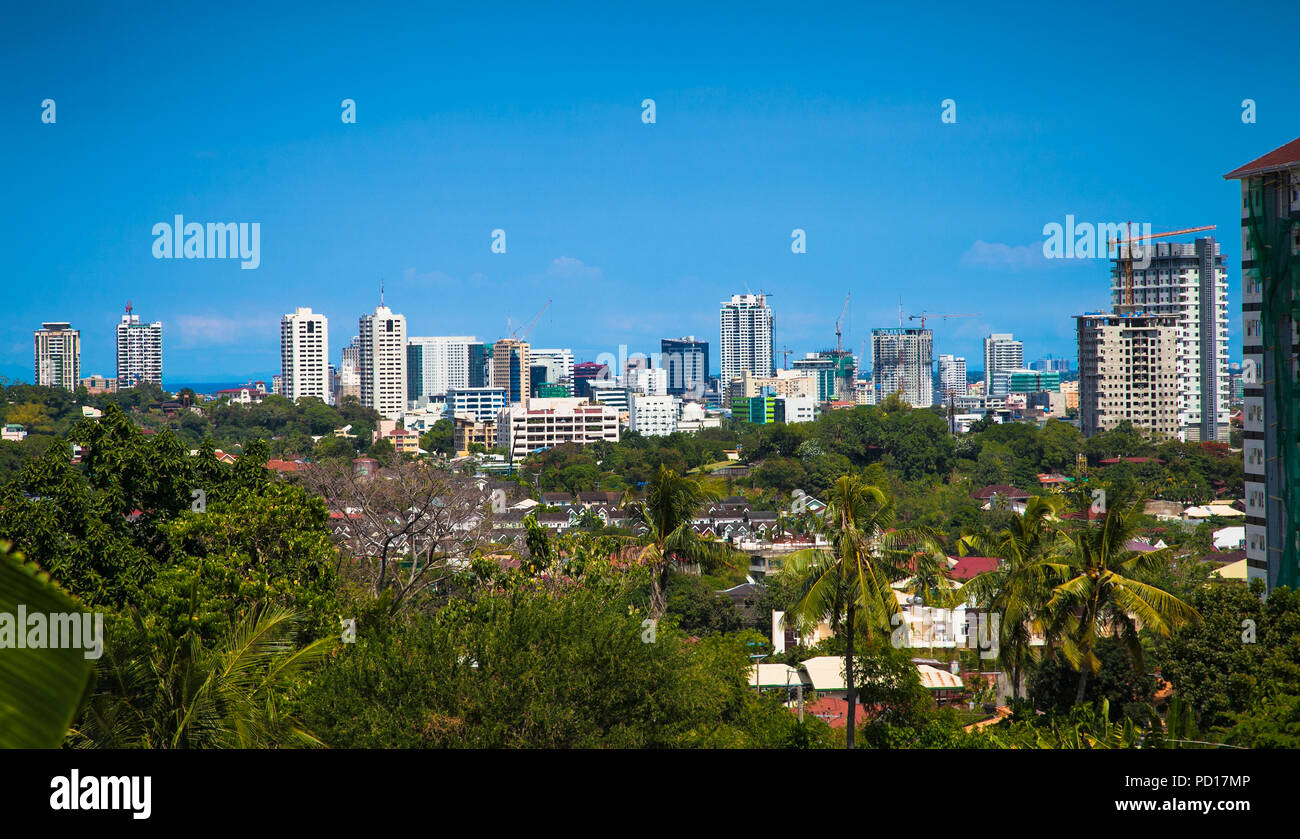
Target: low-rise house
13,432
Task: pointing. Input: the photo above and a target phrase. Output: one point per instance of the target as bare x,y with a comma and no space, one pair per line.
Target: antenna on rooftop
128,307
381,291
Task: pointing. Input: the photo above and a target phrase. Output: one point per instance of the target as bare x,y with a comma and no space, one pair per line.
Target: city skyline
780,127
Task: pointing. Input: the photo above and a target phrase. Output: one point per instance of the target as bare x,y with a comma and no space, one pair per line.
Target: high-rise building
58,355
952,377
305,355
555,367
902,362
1001,352
139,351
746,329
586,373
436,365
480,355
349,372
686,362
1189,281
510,369
383,362
1128,371
1270,284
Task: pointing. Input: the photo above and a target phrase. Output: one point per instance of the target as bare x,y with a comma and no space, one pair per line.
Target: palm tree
850,582
1020,587
665,517
181,694
1104,590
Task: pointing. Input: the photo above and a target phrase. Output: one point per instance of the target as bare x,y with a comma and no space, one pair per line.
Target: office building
1028,381
58,355
902,362
553,367
1128,371
139,351
481,403
510,369
586,373
686,362
1001,352
304,356
1270,281
746,331
383,362
1190,282
435,365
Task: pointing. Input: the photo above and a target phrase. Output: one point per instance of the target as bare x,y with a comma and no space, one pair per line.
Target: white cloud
999,255
568,268
219,330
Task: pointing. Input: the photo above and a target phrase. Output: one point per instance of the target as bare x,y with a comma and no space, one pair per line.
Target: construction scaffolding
1271,228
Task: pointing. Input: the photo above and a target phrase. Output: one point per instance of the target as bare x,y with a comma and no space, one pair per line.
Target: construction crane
1125,255
840,322
522,333
785,351
924,314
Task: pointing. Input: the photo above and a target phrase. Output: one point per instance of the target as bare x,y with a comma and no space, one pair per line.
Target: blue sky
769,118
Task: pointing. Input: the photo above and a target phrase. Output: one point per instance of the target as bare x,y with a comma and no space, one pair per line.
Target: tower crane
840,322
924,314
1125,254
521,334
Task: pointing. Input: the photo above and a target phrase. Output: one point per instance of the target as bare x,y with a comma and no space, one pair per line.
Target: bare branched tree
407,528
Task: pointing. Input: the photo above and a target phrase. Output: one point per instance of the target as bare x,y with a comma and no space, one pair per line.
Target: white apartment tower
746,326
952,377
139,351
383,362
1001,352
305,355
1190,282
902,362
58,355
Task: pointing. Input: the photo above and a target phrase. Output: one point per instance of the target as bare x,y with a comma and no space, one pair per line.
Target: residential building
902,362
304,356
545,423
481,403
383,362
349,373
139,351
469,431
686,361
1270,280
1190,282
746,332
641,378
1001,352
58,355
435,365
952,377
1128,371
510,370
13,433
653,415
